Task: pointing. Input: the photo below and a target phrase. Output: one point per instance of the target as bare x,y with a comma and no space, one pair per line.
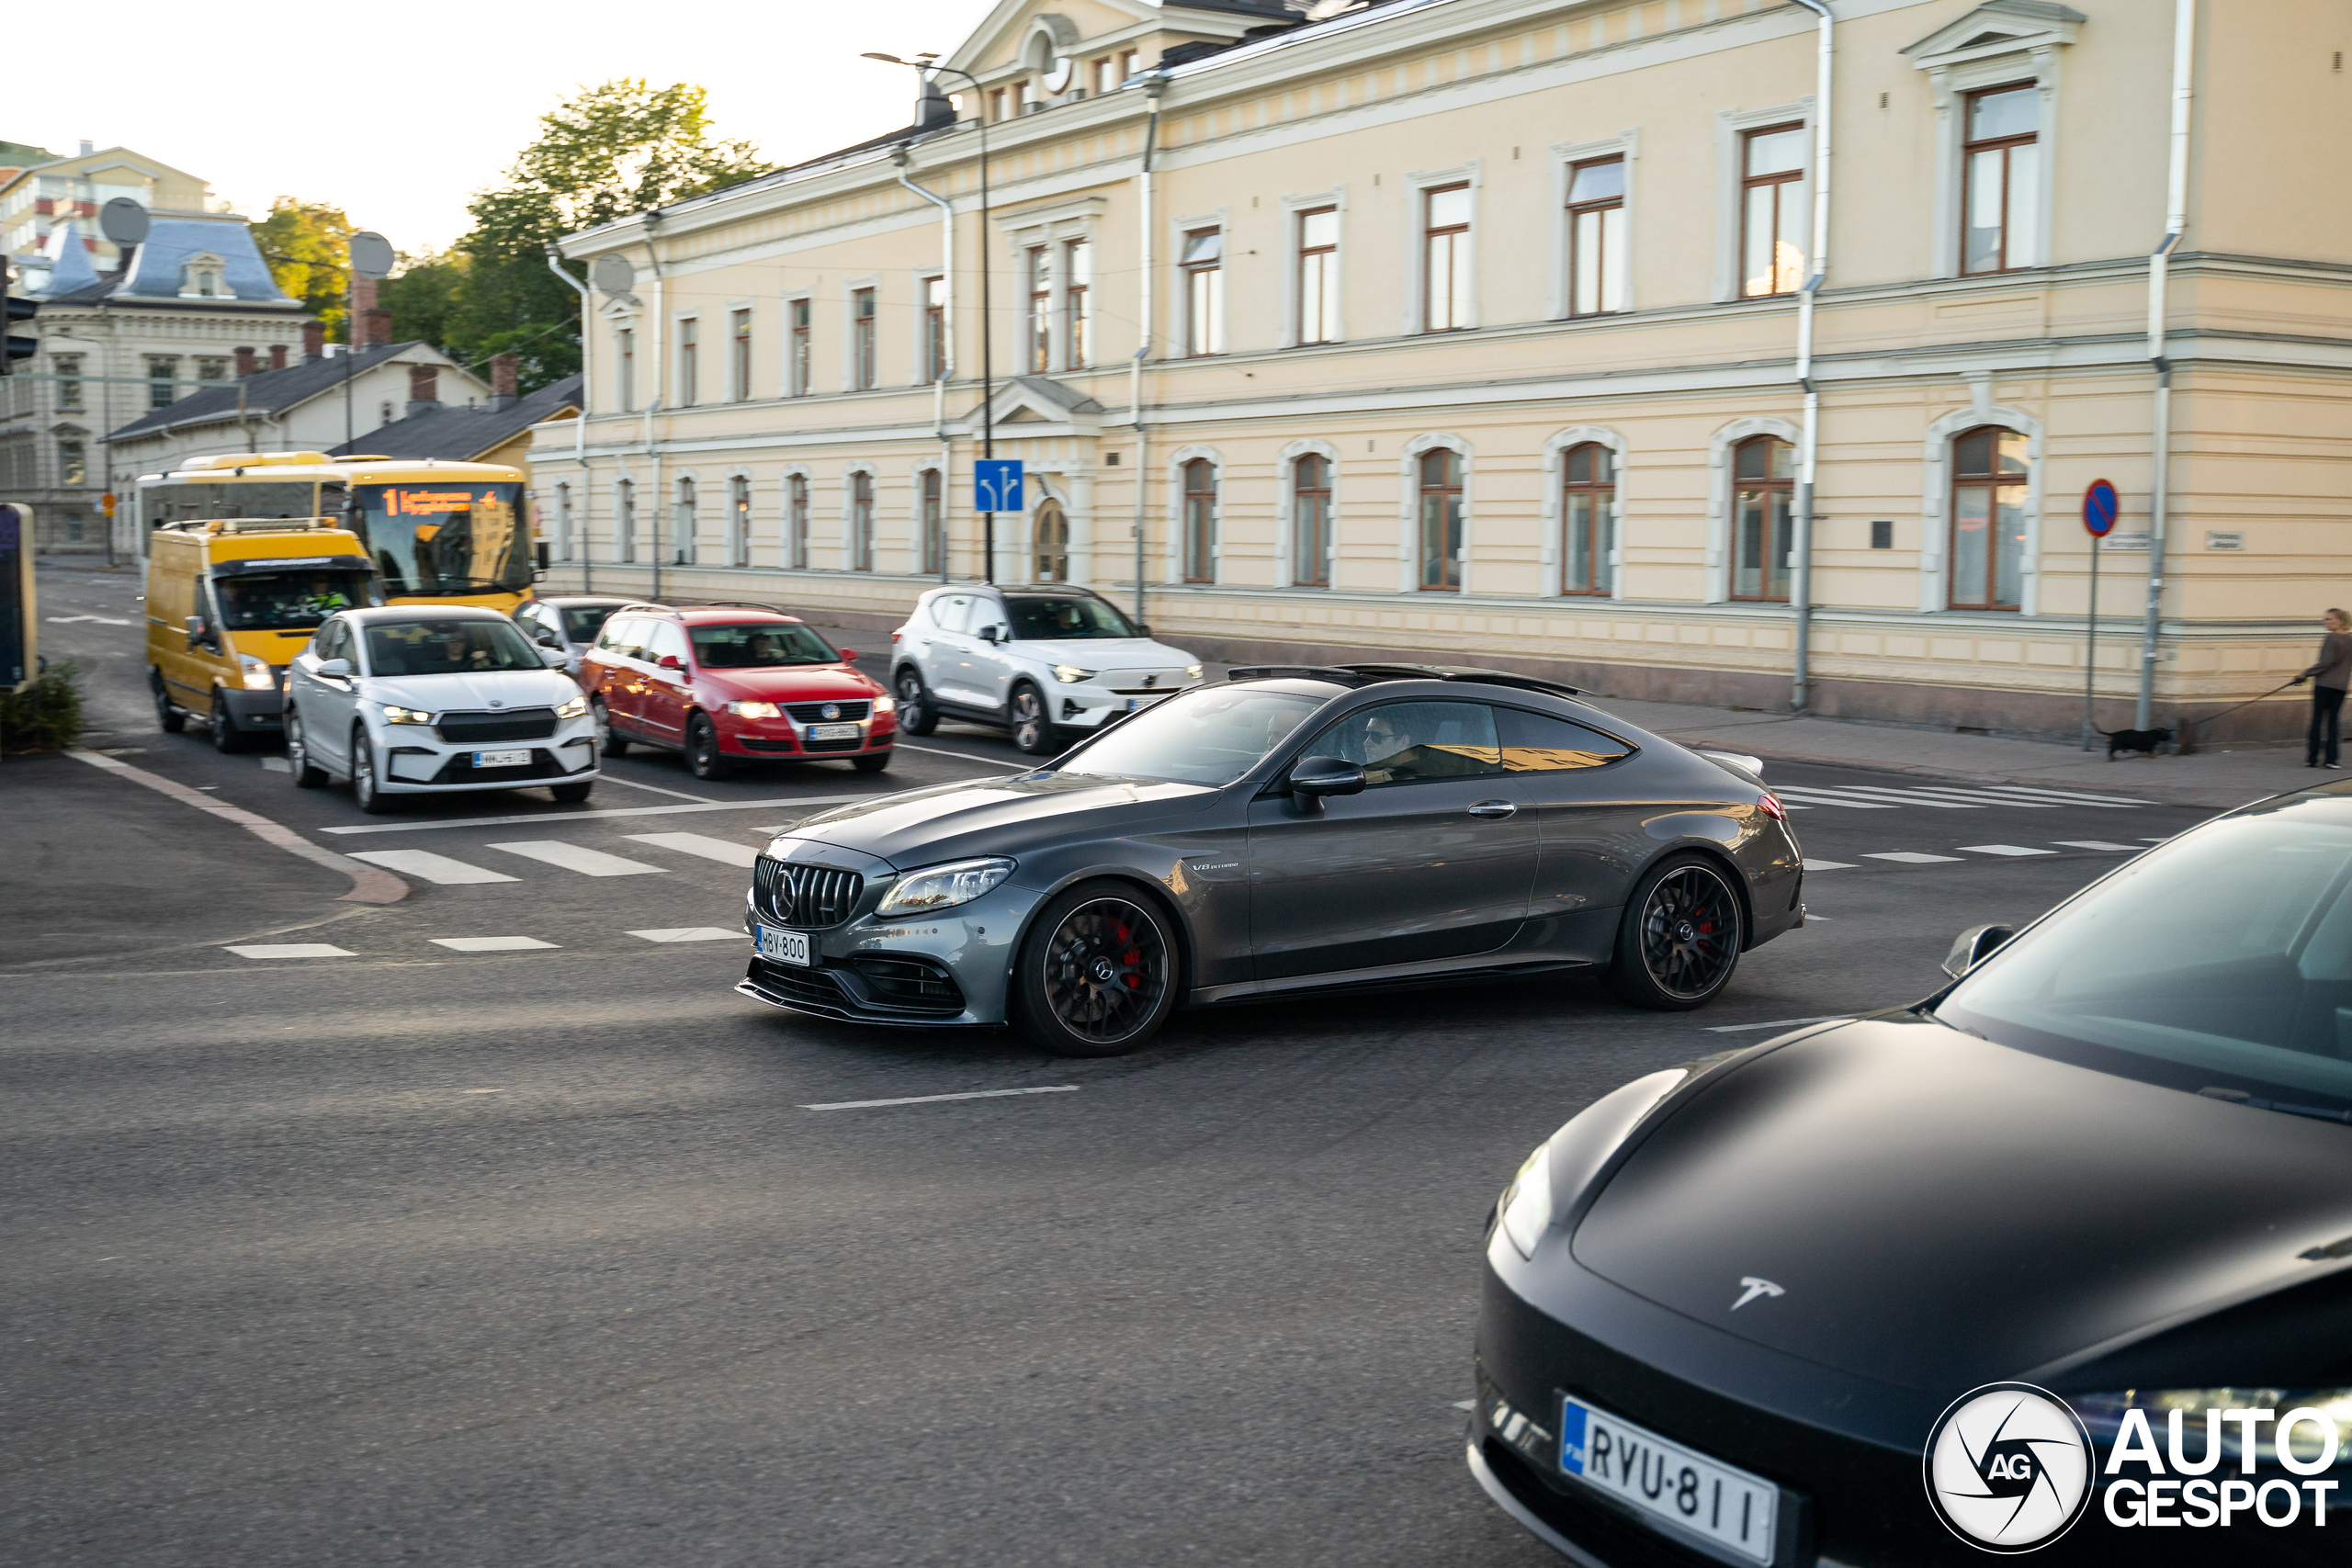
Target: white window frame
850,471
1418,183
751,359
1180,339
1934,565
1052,227
692,553
1293,209
1556,451
563,536
1951,85
1286,509
850,288
794,385
914,513
919,331
624,520
739,524
1720,446
1559,284
1175,470
1732,126
678,379
1408,506
785,543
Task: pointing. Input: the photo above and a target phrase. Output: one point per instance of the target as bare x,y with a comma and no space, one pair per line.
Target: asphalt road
553,1253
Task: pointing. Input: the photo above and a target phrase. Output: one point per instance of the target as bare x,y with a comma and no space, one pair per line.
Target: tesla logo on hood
1750,1286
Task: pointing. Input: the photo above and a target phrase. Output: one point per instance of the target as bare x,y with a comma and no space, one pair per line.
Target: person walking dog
2330,675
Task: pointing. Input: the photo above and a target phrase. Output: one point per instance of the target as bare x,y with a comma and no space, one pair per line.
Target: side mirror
1973,946
849,656
669,661
545,637
198,631
335,669
992,635
554,658
1312,778
1143,628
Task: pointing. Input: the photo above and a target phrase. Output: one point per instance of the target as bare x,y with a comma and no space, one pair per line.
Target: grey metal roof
462,435
266,391
170,241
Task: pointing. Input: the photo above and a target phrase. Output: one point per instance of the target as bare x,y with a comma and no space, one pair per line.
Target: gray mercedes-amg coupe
1287,831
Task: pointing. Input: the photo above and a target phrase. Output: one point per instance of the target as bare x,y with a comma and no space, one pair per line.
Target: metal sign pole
2101,506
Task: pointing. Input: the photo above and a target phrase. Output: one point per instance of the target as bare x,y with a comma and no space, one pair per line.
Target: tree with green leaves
307,245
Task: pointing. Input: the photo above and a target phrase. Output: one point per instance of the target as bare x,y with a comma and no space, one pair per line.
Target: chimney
424,389
277,357
88,147
245,364
314,340
374,327
932,105
501,380
363,294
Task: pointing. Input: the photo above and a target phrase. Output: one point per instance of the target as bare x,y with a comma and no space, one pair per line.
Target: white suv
1047,662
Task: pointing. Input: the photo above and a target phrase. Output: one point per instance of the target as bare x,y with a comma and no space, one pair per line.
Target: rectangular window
1126,64
2001,179
1019,101
1078,302
1445,258
1597,237
625,351
1588,518
684,526
68,370
796,521
1763,477
689,347
72,466
1310,502
1318,276
934,328
933,521
163,380
861,311
1988,511
996,105
1039,267
1105,78
1441,486
1771,217
860,522
802,378
624,521
738,357
1204,268
1200,520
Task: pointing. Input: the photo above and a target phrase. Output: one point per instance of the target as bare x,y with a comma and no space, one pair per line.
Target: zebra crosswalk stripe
429,867
699,845
576,857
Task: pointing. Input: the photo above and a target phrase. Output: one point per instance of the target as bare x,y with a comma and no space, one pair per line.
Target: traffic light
19,309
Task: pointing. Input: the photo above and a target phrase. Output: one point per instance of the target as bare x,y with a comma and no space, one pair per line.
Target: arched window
861,521
934,522
1588,518
1763,479
739,520
682,526
1988,489
1310,522
1053,542
1440,480
796,521
624,521
1200,520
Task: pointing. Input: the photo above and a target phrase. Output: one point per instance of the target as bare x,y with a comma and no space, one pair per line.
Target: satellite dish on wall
613,274
123,220
371,254
1059,74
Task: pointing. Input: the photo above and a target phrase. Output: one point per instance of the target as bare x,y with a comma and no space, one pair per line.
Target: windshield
447,648
205,503
1210,735
1038,619
582,625
443,536
2222,962
289,600
759,644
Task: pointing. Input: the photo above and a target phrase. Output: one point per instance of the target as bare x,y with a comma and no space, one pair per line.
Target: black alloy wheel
170,720
704,759
1680,937
366,791
916,715
1033,731
1098,972
308,775
226,736
608,743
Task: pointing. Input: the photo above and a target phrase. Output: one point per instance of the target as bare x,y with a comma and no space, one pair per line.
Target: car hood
1105,653
1000,816
793,683
1940,1211
486,692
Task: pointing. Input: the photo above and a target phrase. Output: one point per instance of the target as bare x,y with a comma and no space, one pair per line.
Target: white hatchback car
415,700
1049,662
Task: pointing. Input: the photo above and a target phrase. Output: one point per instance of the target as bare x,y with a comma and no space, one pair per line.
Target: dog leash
2187,745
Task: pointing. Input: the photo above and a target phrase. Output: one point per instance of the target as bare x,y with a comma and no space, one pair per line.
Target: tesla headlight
576,708
755,710
1526,1211
1549,1180
395,715
944,886
1070,674
259,676
1193,671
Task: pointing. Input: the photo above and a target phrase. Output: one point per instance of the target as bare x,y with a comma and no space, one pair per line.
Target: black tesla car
1287,831
2059,1258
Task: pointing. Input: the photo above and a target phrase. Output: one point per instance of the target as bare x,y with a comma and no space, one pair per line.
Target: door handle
1496,810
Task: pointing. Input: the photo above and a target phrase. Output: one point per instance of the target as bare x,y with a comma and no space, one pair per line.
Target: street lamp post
988,364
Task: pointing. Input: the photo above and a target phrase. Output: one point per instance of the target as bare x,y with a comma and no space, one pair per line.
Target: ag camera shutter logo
2008,1466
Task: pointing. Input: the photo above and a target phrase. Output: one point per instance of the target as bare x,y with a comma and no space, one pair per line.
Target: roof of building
266,391
462,434
157,265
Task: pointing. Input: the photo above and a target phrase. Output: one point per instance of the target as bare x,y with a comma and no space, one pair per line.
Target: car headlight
1070,674
1193,671
1549,1180
885,704
576,708
395,715
755,710
259,676
1525,1211
944,886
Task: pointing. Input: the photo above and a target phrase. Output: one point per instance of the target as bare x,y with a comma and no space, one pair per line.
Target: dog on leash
2144,741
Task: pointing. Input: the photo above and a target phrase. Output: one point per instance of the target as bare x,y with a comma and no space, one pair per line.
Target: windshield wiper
2239,1097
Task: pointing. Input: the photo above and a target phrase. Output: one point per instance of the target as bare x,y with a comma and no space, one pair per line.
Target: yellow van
229,605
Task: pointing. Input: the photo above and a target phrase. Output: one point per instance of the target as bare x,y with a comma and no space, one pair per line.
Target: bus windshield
443,536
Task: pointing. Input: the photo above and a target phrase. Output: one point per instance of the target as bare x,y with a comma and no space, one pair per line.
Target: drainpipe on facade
2184,38
902,155
1801,682
652,452
1153,86
580,429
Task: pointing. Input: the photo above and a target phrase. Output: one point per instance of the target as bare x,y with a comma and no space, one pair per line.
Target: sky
399,114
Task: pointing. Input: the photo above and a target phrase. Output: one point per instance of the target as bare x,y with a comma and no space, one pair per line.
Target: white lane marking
1912,857
2097,844
1774,1022
593,816
276,764
482,1091
1828,865
2038,802
2158,838
691,933
432,867
963,756
489,944
934,1099
2002,850
1458,1405
2075,797
1825,798
290,950
696,844
1912,797
1811,917
102,620
610,777
577,857
1983,797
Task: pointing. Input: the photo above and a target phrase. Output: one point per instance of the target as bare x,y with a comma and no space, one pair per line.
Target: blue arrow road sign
2101,506
995,484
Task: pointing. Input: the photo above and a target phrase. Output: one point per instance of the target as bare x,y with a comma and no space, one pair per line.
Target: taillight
1770,806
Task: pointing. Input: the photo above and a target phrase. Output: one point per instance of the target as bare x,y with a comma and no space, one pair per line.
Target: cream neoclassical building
1467,330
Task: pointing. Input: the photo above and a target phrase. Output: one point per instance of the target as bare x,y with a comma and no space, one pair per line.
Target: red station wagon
729,683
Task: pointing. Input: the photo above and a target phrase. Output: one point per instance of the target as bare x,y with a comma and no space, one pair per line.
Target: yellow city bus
438,532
